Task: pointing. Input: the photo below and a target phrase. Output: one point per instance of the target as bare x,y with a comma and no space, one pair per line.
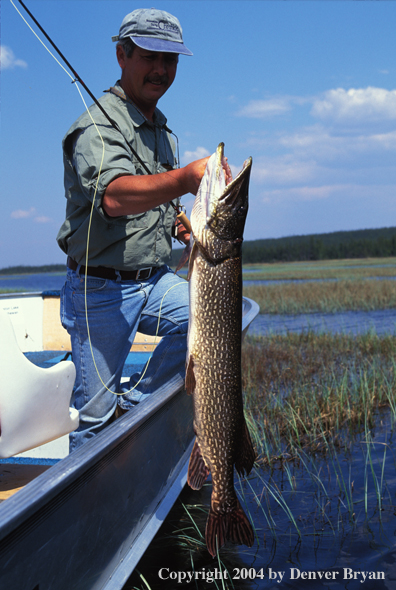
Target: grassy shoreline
321,410
324,269
301,389
322,490
330,297
333,286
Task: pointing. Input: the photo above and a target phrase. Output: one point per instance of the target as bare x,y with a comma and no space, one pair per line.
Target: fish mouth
221,197
234,195
222,167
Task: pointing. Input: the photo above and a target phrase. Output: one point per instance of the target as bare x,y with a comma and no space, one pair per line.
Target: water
33,282
316,266
382,322
335,516
350,322
328,280
318,525
328,517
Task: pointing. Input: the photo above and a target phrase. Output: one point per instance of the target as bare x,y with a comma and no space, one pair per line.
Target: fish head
220,208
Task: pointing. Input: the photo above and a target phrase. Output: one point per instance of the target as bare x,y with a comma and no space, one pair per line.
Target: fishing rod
80,80
180,214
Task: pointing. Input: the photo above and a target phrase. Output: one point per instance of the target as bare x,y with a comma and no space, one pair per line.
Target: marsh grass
325,297
323,269
314,403
311,400
4,291
304,390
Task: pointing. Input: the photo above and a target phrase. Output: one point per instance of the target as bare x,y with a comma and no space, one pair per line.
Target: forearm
131,195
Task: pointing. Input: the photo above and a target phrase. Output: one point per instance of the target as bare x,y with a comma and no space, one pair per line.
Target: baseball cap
154,30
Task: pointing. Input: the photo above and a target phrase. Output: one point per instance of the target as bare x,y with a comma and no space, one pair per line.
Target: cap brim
152,44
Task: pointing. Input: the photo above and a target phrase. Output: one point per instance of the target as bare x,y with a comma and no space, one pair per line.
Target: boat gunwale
44,488
39,492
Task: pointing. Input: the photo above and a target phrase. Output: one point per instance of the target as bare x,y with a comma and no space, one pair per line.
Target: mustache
157,79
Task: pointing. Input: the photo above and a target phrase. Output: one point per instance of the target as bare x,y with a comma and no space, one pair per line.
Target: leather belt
103,272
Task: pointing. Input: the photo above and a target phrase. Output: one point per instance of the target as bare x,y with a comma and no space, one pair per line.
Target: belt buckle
140,272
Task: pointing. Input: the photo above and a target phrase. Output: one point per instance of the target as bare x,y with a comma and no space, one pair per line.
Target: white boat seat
34,402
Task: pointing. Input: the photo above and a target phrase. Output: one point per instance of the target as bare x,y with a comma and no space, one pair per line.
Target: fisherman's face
146,76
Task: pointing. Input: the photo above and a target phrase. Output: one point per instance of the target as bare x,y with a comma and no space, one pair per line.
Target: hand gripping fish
213,364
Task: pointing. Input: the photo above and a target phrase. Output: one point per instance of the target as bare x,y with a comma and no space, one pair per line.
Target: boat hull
86,521
73,526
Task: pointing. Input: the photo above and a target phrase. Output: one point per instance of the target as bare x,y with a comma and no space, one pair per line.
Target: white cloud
268,107
356,104
363,105
320,192
199,153
315,156
30,213
385,140
23,214
284,170
8,59
301,193
321,144
260,109
42,219
337,156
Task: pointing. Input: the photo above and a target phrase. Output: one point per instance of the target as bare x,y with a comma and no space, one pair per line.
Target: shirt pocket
138,221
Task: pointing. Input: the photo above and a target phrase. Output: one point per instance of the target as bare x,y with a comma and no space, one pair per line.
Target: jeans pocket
92,284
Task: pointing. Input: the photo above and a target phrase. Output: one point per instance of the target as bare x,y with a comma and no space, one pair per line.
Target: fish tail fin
246,454
197,469
231,526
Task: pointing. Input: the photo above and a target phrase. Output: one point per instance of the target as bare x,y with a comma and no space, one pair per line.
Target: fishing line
37,37
152,351
74,81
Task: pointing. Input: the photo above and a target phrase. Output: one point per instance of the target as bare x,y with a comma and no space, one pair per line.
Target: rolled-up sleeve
90,165
99,156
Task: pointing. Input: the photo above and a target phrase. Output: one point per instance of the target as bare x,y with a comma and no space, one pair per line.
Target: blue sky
307,88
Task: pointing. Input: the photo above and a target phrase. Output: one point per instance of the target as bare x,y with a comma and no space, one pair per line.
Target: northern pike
213,363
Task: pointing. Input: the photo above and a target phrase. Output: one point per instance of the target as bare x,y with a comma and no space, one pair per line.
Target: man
122,216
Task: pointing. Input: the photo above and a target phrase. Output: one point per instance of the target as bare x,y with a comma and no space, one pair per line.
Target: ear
121,57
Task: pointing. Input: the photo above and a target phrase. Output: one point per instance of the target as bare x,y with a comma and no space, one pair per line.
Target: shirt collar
136,115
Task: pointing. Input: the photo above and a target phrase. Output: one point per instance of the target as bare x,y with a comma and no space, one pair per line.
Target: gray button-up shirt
128,242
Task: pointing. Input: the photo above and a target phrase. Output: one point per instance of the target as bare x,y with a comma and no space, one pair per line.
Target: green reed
311,400
342,295
4,291
303,390
322,269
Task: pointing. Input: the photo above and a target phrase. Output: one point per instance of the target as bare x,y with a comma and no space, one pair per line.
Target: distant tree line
343,244
362,243
26,270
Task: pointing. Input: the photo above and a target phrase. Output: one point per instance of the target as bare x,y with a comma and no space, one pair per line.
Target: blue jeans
116,311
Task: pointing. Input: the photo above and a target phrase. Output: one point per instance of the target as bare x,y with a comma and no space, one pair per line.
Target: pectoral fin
193,254
184,257
190,377
197,469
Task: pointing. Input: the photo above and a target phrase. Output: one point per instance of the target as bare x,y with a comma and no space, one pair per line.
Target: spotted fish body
213,365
